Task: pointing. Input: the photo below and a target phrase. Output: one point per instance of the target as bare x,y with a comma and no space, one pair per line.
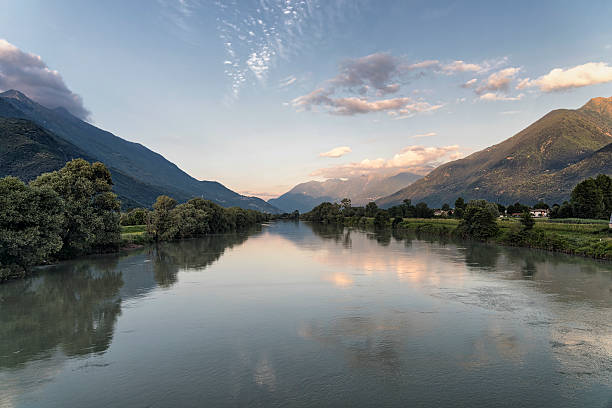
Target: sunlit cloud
416,159
428,134
560,79
336,152
498,81
28,73
491,96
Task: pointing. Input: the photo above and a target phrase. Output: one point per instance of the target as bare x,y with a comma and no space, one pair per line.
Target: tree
605,185
162,218
371,209
479,220
541,205
445,207
346,203
423,211
91,209
587,200
381,219
517,208
501,208
527,221
31,219
459,207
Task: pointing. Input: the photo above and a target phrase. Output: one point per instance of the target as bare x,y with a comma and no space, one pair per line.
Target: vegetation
480,220
73,211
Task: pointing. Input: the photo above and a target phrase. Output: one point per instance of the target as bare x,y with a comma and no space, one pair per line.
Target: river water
294,314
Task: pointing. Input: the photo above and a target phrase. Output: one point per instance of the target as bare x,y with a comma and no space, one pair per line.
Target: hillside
27,150
140,165
543,161
361,190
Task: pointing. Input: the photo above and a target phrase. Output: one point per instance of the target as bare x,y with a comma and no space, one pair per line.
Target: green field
590,238
134,235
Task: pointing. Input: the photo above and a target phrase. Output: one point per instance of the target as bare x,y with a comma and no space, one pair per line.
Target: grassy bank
133,235
578,238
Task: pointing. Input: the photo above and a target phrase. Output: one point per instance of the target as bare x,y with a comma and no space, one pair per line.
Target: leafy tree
423,211
517,208
587,200
445,207
459,207
381,219
326,213
136,216
163,227
527,221
501,208
91,209
371,209
479,220
541,205
346,203
30,226
605,185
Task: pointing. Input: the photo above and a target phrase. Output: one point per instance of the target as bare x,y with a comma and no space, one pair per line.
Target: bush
479,220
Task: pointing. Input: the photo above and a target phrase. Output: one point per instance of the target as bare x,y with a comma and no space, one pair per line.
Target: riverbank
592,240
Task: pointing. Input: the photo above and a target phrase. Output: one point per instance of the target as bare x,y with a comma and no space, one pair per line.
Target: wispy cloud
428,134
417,159
336,152
29,74
560,79
491,96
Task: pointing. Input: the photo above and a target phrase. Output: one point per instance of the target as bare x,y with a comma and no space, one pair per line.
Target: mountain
542,162
132,165
27,150
361,190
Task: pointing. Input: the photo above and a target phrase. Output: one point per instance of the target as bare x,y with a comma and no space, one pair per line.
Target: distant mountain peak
600,105
15,94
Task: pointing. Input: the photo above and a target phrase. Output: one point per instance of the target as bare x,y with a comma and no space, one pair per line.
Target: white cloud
355,105
560,79
498,81
416,159
29,74
460,66
470,83
336,152
491,96
428,134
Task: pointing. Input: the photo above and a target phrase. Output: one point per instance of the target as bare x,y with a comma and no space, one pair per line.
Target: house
610,225
440,213
539,213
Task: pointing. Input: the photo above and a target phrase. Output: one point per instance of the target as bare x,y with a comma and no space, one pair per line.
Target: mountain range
361,190
542,162
35,139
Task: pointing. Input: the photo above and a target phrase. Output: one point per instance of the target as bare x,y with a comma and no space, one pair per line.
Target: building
539,213
610,225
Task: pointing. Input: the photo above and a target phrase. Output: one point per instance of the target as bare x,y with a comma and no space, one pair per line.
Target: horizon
340,101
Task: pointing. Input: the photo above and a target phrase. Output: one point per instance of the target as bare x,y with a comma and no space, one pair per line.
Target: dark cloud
29,74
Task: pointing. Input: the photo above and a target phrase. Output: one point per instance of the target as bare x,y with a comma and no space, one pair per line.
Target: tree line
73,211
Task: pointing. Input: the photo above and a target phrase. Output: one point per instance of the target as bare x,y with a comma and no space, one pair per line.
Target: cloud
288,81
374,71
460,66
416,159
336,152
429,134
29,74
498,81
356,105
491,96
424,64
559,79
470,83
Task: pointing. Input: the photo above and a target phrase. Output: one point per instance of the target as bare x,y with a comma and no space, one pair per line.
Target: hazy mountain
132,160
543,161
360,190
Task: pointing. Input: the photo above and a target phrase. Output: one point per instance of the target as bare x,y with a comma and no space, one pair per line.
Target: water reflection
311,315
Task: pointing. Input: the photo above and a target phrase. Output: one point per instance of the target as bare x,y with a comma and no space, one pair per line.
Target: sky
263,94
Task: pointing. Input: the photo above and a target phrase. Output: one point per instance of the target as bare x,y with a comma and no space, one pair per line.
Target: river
293,314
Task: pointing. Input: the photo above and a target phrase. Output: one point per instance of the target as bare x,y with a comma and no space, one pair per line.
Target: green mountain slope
543,161
132,159
27,150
